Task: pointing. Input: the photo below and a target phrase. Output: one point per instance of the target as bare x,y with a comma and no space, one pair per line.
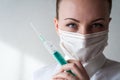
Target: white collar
95,64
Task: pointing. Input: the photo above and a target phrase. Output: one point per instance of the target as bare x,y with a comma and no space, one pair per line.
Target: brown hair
58,3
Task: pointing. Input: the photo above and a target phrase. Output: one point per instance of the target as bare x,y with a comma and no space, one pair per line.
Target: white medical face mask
82,47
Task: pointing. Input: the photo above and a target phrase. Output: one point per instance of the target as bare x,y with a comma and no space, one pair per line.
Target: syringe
51,49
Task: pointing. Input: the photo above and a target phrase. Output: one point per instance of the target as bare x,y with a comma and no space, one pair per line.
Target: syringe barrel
56,54
61,61
50,47
53,51
59,58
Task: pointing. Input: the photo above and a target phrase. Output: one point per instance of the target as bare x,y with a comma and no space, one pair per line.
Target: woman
82,26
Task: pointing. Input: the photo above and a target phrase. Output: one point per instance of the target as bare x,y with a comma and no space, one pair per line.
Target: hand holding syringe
52,49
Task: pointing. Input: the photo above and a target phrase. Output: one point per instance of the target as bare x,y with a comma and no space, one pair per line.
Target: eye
97,25
71,25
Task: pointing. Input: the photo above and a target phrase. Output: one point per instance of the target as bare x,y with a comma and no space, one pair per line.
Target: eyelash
97,25
71,25
74,26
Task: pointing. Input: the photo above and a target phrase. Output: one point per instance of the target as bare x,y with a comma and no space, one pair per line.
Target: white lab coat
98,69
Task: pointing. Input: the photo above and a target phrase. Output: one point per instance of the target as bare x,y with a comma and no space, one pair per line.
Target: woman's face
83,16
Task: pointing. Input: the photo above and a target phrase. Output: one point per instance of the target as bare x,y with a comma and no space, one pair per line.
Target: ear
56,24
110,19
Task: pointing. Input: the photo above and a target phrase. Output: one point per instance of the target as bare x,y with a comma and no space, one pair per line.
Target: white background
21,52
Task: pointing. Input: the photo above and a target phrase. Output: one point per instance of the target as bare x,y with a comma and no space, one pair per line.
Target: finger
78,71
79,64
73,67
65,76
58,79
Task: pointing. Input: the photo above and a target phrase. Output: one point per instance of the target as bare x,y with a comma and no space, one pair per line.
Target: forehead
83,8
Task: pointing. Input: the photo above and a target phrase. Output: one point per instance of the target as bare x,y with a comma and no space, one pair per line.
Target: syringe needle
33,27
37,33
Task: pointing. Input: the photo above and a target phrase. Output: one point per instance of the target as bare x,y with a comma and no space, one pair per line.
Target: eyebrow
79,21
98,19
72,19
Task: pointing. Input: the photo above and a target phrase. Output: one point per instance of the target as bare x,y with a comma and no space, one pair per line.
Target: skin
84,17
